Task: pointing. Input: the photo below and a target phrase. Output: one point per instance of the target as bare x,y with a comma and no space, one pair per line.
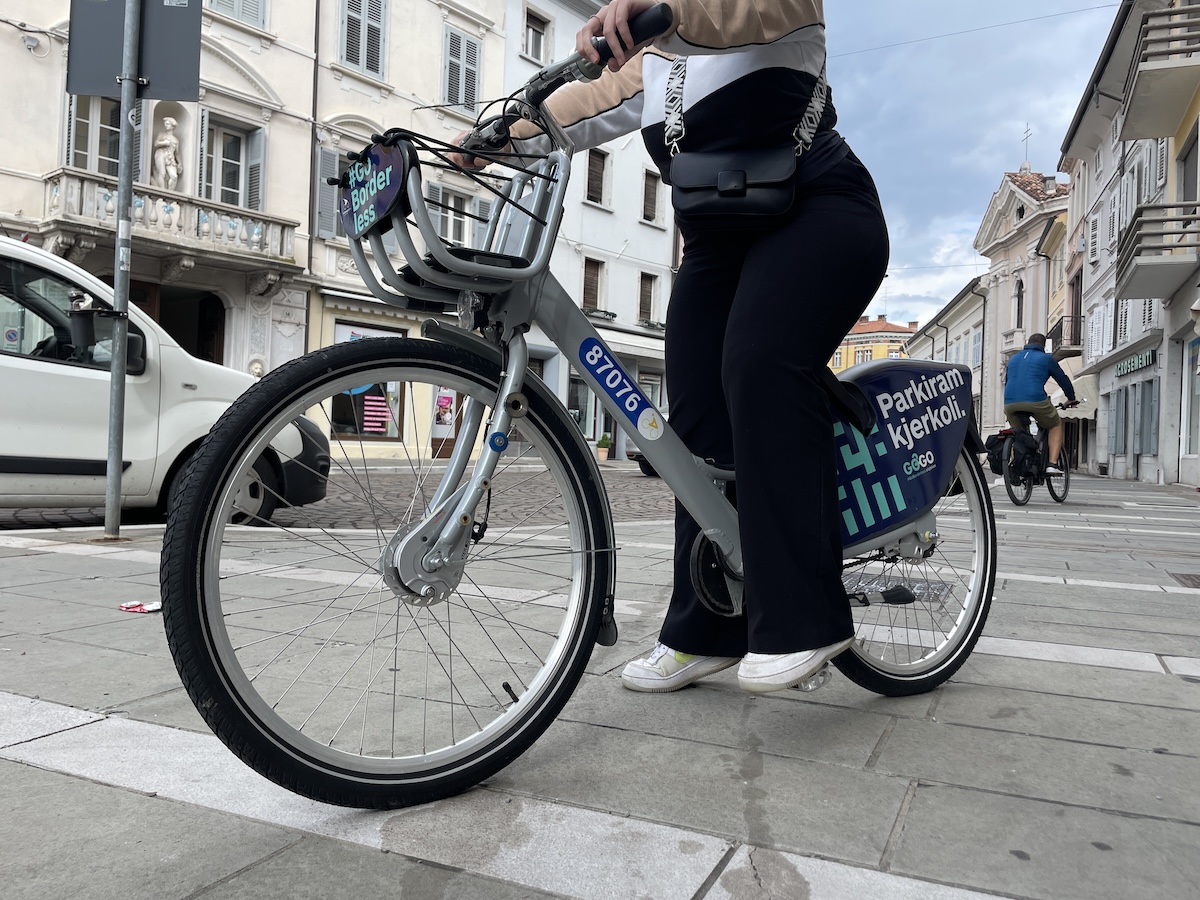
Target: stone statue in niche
167,165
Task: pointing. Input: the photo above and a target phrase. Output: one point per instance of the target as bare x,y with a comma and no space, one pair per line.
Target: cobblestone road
631,495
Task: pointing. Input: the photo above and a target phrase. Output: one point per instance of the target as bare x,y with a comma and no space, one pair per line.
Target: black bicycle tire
1022,485
860,670
1063,480
181,582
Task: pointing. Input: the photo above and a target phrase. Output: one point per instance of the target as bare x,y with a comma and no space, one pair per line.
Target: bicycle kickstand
817,679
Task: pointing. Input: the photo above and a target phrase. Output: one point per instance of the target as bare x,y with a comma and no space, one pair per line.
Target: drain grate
1187,579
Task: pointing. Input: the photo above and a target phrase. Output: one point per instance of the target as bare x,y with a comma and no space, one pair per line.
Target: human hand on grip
466,160
612,24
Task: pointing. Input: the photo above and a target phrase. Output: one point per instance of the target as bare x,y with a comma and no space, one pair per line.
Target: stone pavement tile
104,592
318,869
1031,848
22,719
1177,617
66,837
1182,665
744,795
79,675
1072,718
1069,680
38,615
1128,781
171,708
140,633
841,691
1107,638
756,874
717,712
636,637
578,852
1026,599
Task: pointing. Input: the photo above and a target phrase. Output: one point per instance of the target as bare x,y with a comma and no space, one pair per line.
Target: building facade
956,334
237,247
872,339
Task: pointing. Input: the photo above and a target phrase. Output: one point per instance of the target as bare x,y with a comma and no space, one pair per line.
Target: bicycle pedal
818,679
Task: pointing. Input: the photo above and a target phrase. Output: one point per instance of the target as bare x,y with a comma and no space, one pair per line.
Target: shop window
460,73
581,404
376,412
363,35
248,11
1191,396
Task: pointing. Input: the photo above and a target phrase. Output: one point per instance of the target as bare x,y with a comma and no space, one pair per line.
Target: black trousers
753,315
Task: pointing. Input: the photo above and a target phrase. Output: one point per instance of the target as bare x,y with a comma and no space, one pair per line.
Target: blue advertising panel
374,184
903,466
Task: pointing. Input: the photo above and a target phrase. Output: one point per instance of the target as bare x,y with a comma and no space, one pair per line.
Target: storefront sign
1141,360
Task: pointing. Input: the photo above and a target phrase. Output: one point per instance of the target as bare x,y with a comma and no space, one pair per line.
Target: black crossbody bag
742,187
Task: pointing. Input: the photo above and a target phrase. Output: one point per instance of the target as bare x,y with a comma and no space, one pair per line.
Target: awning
1087,391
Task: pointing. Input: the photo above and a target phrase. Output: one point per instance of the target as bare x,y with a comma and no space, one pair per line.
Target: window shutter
453,71
1094,239
1147,315
1150,440
462,69
202,143
1114,404
254,169
591,284
138,141
595,175
434,193
1161,160
327,194
1122,321
483,209
470,73
650,198
228,7
252,13
1106,338
1112,218
373,61
352,34
72,112
646,298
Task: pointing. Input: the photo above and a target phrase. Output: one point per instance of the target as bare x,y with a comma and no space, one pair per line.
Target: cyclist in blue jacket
1025,391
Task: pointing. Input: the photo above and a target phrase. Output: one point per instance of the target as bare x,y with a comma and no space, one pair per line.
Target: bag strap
803,133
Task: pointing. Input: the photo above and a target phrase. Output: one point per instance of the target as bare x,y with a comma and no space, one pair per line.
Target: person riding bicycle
1025,392
750,307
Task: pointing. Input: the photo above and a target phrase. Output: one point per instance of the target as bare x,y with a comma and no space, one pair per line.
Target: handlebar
492,134
1070,404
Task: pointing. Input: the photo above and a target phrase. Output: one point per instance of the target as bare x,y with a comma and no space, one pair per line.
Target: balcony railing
1165,73
1012,340
1158,251
1066,337
83,197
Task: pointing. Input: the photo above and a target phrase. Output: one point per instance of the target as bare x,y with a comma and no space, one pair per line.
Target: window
647,289
597,163
977,347
593,271
1019,304
231,163
34,320
376,412
94,136
837,358
651,385
1191,395
862,355
461,72
536,29
1118,413
362,35
650,197
894,353
248,11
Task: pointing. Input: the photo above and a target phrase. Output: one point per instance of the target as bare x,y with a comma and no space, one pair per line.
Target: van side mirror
135,354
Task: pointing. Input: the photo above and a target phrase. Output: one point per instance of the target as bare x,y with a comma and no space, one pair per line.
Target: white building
240,255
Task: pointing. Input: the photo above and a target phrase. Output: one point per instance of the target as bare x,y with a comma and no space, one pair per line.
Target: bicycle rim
908,648
1019,488
302,655
1059,485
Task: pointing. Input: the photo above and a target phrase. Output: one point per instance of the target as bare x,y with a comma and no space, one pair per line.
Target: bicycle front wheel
1019,488
935,609
1058,485
294,639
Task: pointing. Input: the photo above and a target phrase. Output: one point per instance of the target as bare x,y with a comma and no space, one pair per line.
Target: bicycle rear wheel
294,639
1059,485
1020,488
938,606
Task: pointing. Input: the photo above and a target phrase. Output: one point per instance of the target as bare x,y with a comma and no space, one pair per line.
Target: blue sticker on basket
499,441
373,185
621,388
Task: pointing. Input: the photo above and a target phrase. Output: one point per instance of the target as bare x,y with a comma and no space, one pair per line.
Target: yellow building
872,339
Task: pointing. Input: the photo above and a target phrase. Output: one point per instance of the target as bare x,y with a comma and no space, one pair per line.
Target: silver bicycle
434,634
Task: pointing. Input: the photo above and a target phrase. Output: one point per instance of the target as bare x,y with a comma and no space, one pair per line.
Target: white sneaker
669,670
761,673
1053,470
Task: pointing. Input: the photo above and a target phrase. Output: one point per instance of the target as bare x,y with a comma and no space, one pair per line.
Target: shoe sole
784,680
680,679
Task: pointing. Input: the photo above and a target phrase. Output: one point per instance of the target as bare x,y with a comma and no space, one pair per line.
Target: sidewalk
1063,761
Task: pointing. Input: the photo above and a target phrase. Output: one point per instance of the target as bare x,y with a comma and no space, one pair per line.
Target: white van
54,399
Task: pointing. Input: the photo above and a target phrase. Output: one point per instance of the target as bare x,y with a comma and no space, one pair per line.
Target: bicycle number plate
372,187
641,413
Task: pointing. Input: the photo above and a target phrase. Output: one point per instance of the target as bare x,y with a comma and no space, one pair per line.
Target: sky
938,122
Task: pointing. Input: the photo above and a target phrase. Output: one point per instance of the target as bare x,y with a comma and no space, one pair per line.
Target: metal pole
128,79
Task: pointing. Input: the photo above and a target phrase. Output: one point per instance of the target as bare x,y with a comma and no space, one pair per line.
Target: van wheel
257,495
647,469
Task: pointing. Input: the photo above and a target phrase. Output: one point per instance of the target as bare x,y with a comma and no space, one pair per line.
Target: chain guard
720,592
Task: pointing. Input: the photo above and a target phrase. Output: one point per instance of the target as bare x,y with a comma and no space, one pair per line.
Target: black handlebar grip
643,27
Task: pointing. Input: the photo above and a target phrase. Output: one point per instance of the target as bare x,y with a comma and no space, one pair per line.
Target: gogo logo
918,463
